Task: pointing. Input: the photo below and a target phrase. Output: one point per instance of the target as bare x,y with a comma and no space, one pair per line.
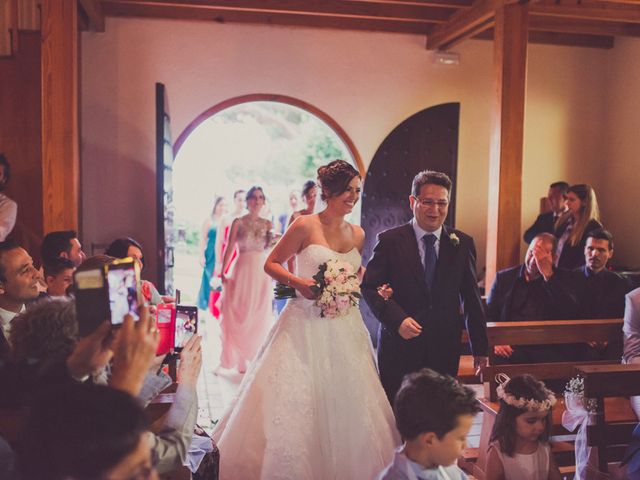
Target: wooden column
60,158
507,138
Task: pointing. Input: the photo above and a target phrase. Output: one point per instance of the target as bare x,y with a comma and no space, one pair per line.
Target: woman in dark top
572,228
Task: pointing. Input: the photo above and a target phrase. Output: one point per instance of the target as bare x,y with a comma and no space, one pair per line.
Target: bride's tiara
522,403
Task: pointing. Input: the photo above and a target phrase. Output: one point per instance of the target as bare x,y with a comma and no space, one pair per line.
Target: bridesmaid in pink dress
247,290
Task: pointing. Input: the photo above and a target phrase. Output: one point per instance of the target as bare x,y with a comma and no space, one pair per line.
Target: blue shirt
420,233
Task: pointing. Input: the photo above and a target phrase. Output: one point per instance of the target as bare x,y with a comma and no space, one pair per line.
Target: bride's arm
287,247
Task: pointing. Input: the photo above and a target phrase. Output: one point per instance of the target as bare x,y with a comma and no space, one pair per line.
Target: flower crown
522,403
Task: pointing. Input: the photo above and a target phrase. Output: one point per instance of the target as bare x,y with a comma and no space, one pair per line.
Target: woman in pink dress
246,296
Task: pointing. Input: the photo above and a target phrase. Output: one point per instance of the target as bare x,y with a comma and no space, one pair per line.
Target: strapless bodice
314,255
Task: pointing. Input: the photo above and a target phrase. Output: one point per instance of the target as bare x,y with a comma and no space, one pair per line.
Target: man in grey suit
631,331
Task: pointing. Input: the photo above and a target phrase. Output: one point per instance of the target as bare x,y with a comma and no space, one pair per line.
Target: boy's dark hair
562,186
119,248
56,266
601,234
55,243
80,431
504,428
427,177
430,402
5,246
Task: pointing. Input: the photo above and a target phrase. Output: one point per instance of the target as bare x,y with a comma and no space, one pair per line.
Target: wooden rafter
364,9
601,11
585,27
462,25
93,11
557,38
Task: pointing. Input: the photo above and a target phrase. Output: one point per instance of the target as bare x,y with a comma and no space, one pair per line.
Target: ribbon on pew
576,415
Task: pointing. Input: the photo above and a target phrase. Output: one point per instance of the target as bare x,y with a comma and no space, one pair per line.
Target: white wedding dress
311,406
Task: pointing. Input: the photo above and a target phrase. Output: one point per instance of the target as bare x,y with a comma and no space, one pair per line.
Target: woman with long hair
210,257
311,406
582,216
246,291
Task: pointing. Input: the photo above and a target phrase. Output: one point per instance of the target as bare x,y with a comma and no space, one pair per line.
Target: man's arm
378,273
473,311
631,327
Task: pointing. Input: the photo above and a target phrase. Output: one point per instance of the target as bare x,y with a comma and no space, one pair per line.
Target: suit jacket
544,223
396,261
603,294
562,301
631,328
572,257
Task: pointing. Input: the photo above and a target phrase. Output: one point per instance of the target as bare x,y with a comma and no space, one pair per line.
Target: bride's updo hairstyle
334,178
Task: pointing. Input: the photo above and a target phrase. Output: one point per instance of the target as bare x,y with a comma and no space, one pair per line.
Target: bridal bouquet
338,288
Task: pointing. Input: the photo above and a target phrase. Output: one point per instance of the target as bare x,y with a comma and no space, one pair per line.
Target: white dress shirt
6,317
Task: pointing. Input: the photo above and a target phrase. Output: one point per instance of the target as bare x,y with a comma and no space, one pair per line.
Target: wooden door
164,195
426,140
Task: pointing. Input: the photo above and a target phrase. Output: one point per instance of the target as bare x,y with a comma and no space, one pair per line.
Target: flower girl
519,448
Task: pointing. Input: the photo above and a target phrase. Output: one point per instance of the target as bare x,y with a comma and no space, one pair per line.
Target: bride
311,406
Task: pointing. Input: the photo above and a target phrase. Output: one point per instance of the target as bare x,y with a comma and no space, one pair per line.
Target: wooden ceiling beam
426,3
566,39
393,11
93,11
230,15
609,12
584,27
462,25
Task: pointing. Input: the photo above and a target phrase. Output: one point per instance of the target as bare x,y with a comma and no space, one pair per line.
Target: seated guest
604,290
631,331
572,228
62,244
535,290
557,197
128,247
86,431
48,329
19,281
8,208
58,275
433,414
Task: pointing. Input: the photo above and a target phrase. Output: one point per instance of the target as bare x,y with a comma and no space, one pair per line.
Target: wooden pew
545,332
610,433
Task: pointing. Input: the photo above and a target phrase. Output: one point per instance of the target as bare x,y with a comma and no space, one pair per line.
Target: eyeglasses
427,202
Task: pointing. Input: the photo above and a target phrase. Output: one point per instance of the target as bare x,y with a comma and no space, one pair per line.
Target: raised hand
134,350
409,328
92,353
504,351
190,362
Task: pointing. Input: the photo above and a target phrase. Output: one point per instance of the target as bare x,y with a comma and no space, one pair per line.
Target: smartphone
165,322
123,278
107,293
186,325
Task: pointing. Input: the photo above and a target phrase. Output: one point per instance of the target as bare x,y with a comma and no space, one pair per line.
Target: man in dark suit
604,290
557,197
535,290
432,271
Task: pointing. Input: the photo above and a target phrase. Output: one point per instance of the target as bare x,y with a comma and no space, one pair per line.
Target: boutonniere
454,239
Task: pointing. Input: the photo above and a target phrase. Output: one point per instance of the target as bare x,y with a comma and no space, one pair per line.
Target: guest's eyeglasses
427,202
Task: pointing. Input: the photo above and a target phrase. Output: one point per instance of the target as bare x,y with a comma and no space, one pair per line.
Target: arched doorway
273,141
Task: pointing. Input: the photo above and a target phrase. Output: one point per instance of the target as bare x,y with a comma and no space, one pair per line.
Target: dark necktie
429,258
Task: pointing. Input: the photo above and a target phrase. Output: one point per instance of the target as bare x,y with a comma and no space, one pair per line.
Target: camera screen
186,325
123,295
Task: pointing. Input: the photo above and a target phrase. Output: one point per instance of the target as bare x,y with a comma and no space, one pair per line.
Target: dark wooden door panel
426,140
